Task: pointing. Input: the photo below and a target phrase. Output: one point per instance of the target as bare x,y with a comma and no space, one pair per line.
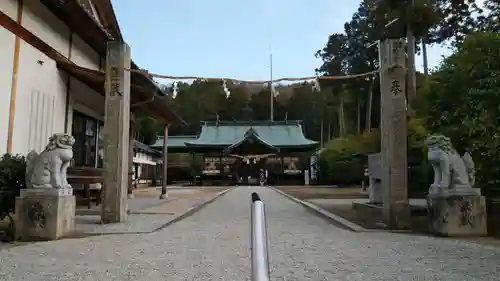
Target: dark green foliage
489,21
12,180
147,129
465,94
345,171
344,159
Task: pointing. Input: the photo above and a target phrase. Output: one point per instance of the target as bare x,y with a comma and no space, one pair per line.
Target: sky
233,38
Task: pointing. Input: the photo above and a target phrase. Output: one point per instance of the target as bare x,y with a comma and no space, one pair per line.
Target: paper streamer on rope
175,90
262,82
226,90
314,81
274,91
315,85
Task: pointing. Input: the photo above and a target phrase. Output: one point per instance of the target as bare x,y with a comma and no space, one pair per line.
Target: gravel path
213,244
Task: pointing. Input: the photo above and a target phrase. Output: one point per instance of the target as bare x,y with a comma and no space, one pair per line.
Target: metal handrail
260,257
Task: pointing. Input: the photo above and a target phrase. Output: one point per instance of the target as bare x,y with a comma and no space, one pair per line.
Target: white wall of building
7,39
41,87
143,158
83,55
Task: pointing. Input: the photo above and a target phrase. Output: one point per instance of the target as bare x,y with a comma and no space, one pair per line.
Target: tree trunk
410,66
322,130
341,118
424,57
358,117
329,127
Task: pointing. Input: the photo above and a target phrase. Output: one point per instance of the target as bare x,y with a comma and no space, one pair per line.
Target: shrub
419,172
12,180
343,160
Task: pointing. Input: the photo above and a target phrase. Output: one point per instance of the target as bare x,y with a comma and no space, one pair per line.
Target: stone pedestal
457,213
306,177
375,191
44,214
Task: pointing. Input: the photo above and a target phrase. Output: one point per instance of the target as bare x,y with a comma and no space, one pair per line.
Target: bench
81,178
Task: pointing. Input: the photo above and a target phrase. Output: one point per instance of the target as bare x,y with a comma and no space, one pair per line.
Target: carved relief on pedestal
36,215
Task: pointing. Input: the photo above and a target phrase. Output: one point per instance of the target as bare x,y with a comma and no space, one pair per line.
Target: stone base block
44,214
375,191
457,215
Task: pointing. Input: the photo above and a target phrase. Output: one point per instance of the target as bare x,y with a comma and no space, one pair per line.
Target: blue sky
232,38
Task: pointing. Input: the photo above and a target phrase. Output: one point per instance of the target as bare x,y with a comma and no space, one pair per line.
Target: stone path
148,213
213,244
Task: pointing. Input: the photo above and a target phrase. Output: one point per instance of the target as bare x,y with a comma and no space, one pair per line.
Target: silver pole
260,258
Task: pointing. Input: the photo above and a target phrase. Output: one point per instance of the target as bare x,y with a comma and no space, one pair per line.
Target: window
87,148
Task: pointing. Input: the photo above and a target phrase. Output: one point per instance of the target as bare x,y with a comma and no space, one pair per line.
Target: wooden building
145,161
180,159
237,151
53,58
52,62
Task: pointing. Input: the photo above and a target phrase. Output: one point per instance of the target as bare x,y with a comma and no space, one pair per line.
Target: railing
260,258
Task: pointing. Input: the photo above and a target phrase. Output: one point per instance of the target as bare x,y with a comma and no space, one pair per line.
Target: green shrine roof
250,138
174,141
271,133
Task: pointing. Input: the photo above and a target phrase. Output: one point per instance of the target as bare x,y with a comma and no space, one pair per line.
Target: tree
307,105
436,21
346,54
465,97
146,129
432,21
238,104
489,19
261,104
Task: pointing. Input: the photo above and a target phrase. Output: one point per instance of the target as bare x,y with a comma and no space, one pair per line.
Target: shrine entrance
249,172
252,152
250,168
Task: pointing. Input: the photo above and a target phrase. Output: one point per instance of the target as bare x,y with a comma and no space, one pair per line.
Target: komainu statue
48,169
451,172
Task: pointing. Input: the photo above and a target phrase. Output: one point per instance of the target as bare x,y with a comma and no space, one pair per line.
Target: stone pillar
116,133
163,194
396,211
131,170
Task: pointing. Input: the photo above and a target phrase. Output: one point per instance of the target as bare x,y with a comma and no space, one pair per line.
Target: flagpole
271,83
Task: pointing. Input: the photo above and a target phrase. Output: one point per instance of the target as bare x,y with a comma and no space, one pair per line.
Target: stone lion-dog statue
451,172
48,169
